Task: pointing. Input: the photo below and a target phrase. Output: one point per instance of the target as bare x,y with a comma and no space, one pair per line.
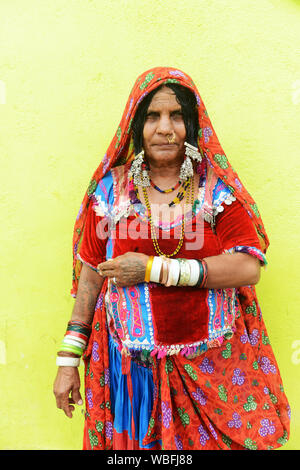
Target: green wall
66,70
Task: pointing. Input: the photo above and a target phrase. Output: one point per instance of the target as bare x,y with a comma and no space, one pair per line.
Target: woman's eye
178,115
151,116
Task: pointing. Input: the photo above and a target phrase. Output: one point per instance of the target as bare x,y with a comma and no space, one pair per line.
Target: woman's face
164,120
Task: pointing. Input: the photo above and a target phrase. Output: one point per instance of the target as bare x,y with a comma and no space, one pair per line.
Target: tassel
162,353
173,351
183,351
154,352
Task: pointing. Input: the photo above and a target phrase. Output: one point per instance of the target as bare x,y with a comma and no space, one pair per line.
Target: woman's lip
165,145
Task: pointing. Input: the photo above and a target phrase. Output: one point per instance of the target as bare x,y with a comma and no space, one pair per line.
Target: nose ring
171,139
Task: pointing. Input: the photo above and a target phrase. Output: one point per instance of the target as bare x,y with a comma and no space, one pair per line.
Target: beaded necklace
179,196
190,185
165,191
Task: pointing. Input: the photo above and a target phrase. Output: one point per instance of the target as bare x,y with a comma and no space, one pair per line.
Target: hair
187,100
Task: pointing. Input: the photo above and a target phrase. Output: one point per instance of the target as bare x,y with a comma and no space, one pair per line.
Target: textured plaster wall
66,69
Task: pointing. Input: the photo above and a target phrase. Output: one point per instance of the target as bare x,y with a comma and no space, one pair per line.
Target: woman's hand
67,381
125,270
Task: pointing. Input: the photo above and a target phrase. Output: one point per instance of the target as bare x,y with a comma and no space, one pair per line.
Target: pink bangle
165,272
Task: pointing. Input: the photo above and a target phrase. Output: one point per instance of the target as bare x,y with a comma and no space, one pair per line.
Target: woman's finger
105,268
66,407
106,264
110,273
76,397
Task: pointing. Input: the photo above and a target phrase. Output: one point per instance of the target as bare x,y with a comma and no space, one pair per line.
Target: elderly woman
168,246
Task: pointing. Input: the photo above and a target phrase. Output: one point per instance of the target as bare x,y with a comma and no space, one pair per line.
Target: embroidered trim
129,340
250,250
144,356
230,198
100,206
85,262
223,309
124,207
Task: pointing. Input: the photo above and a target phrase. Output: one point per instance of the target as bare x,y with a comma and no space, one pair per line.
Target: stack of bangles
176,272
75,342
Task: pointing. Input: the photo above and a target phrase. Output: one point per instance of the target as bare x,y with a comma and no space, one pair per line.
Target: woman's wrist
66,354
73,344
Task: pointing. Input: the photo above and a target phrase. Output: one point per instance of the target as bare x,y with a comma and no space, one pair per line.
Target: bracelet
80,323
67,361
155,270
195,271
78,339
79,329
174,272
185,272
201,272
148,268
70,340
70,348
205,273
77,335
165,273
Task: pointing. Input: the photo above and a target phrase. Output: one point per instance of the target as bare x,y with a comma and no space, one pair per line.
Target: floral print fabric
228,398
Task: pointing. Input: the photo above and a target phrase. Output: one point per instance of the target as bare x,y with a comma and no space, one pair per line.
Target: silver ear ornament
186,169
192,152
139,172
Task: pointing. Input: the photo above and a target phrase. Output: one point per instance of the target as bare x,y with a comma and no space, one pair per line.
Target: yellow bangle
148,268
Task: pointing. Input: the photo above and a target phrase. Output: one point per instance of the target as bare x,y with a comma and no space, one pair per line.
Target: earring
139,171
192,152
186,169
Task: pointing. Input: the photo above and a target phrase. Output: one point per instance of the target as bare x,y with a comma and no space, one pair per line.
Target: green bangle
200,279
70,348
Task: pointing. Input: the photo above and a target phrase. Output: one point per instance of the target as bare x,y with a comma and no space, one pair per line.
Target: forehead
165,97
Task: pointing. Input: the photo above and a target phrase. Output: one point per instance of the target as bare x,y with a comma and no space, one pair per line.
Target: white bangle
67,361
194,265
174,271
156,268
76,338
67,340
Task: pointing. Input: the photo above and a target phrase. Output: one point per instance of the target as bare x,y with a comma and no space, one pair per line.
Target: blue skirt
142,400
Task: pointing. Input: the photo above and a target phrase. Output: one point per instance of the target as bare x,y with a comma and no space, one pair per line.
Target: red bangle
205,273
79,335
79,323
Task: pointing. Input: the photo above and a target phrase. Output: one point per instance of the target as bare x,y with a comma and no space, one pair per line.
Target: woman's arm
89,287
224,270
67,380
232,270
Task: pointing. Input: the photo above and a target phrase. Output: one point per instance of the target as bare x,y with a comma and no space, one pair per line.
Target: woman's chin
163,154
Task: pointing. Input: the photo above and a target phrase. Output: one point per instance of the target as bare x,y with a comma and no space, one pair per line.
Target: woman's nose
164,125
